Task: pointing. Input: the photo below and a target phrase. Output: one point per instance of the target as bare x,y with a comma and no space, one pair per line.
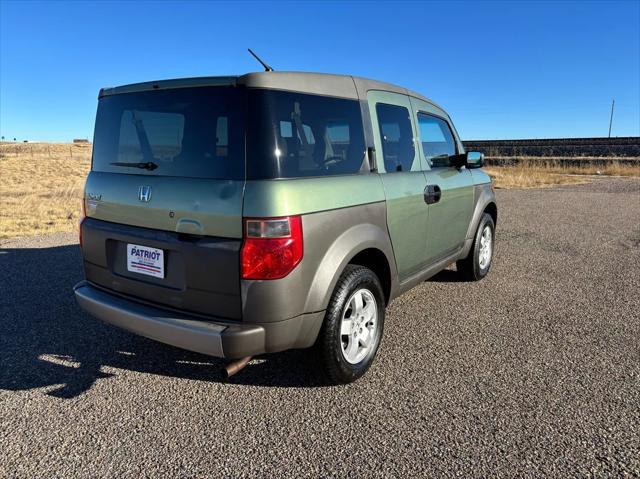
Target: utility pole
613,102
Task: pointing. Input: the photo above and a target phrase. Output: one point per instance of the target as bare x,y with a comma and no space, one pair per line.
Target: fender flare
345,247
484,196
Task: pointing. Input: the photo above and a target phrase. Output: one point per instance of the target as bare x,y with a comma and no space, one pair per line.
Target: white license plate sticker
144,260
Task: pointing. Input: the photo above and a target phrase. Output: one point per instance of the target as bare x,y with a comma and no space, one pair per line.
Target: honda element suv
236,216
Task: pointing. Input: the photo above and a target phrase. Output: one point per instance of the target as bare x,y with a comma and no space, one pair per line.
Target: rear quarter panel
341,216
268,198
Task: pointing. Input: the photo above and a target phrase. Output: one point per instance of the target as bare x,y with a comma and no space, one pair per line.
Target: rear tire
353,326
478,262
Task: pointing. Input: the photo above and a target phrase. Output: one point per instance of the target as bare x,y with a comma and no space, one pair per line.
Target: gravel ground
532,372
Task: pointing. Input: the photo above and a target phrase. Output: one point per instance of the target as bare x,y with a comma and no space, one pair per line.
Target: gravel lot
534,371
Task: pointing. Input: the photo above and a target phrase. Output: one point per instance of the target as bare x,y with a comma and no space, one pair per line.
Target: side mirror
475,159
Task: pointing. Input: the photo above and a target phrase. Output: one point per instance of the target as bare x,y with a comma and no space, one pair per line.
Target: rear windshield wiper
149,165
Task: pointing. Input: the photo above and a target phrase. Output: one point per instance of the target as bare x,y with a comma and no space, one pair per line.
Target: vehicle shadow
48,342
447,276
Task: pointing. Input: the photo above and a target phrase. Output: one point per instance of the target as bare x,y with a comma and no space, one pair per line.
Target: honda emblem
144,194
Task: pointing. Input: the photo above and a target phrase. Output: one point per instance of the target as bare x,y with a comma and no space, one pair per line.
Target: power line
613,102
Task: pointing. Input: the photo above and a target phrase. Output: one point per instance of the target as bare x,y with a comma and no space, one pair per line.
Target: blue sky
502,69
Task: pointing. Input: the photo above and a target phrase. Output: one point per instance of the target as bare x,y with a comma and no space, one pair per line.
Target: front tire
478,262
353,326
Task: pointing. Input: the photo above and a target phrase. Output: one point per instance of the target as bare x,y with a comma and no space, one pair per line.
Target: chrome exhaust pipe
235,366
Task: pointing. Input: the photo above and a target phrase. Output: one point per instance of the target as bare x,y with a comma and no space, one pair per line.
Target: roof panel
344,86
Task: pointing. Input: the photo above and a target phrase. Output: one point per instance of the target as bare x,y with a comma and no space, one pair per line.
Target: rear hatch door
164,197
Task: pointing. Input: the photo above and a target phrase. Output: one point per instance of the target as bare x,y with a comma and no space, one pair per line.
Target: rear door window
293,135
187,132
396,134
436,140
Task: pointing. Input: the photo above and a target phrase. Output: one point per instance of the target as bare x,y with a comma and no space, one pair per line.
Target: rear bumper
215,338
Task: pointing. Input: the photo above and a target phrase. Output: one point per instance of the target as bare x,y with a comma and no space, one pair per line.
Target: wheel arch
492,209
363,244
376,261
484,202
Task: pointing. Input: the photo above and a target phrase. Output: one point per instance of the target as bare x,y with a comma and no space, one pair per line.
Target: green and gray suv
236,216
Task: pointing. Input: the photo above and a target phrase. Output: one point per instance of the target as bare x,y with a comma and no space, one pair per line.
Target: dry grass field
41,184
41,187
535,174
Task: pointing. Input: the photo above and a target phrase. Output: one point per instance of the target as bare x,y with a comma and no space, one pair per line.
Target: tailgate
196,206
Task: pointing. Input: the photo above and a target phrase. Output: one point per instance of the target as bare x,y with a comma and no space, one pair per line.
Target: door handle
371,155
437,193
432,194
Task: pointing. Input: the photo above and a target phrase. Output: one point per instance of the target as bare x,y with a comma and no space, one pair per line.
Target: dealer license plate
145,260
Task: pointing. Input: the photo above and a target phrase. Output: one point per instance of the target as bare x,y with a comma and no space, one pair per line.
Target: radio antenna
267,68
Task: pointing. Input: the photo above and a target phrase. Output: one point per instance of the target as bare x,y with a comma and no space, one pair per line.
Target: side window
297,135
436,139
396,135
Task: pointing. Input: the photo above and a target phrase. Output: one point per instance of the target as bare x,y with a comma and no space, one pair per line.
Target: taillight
272,247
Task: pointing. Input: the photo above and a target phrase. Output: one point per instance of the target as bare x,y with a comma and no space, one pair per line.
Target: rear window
293,135
396,134
189,132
